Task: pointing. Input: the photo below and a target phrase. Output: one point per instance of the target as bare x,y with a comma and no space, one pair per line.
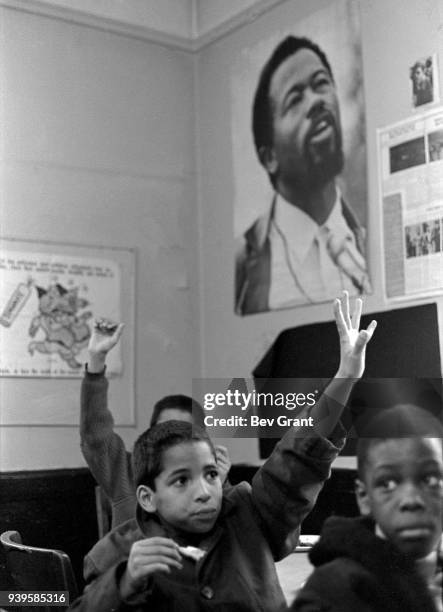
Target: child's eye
433,480
180,482
387,484
212,475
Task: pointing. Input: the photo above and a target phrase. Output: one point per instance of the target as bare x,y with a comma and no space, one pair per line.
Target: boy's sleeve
103,450
102,593
286,487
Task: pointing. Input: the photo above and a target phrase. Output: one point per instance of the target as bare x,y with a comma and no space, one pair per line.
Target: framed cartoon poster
50,295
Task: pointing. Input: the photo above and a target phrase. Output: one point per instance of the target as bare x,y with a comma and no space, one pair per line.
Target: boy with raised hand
390,559
197,548
102,448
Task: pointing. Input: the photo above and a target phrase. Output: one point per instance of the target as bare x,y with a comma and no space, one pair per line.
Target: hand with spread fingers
353,341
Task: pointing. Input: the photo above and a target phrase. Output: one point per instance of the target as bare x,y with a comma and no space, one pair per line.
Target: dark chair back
38,569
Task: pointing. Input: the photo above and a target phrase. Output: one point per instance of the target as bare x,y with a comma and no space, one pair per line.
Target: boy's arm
327,412
102,594
103,449
285,489
129,583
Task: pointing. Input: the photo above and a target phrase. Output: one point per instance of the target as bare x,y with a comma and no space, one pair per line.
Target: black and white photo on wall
300,186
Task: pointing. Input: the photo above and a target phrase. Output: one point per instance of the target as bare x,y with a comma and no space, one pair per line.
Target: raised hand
353,341
223,462
104,337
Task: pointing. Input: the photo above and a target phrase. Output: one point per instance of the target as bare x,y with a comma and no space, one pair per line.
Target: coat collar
399,586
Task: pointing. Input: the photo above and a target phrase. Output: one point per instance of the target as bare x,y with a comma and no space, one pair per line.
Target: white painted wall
97,148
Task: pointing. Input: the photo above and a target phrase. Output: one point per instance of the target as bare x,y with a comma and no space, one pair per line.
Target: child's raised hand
148,557
223,462
352,341
105,335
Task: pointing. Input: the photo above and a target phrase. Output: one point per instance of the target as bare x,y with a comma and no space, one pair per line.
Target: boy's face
402,491
188,490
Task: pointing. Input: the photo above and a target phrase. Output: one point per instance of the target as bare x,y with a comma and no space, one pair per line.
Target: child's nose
202,492
412,498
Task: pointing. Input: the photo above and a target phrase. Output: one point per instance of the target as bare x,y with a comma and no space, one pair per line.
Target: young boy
195,548
102,448
388,560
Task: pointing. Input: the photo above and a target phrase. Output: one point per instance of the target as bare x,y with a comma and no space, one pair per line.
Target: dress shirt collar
299,228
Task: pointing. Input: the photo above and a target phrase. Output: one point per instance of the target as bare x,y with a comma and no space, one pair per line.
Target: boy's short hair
397,422
150,445
179,402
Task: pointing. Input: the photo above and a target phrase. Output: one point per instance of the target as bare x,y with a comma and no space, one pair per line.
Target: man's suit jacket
253,261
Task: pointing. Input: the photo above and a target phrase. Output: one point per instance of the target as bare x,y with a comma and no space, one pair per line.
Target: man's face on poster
306,151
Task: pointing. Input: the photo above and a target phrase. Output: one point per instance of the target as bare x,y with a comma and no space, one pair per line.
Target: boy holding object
194,547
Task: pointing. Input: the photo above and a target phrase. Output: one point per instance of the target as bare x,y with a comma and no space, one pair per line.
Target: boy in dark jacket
196,548
390,559
103,449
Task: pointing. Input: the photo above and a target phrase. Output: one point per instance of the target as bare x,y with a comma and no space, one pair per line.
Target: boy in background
196,548
102,448
390,558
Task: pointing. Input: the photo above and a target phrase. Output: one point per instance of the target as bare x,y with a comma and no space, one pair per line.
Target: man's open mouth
321,125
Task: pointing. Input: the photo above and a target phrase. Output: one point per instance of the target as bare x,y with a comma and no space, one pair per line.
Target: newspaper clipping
411,187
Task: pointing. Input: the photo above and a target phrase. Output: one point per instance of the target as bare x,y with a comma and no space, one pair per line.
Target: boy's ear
146,498
361,494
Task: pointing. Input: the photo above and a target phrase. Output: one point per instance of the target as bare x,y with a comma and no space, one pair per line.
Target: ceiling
189,24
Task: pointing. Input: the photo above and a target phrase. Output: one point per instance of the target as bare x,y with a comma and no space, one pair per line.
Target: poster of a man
309,244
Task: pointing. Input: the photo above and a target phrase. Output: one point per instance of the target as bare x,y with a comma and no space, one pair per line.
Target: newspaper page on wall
411,187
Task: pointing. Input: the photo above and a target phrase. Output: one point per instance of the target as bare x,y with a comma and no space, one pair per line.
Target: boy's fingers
357,313
152,555
160,567
362,340
221,452
158,556
346,315
155,567
118,332
371,328
339,319
157,545
364,336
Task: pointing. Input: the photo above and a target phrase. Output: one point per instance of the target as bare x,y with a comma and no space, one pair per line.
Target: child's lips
415,532
205,512
205,515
